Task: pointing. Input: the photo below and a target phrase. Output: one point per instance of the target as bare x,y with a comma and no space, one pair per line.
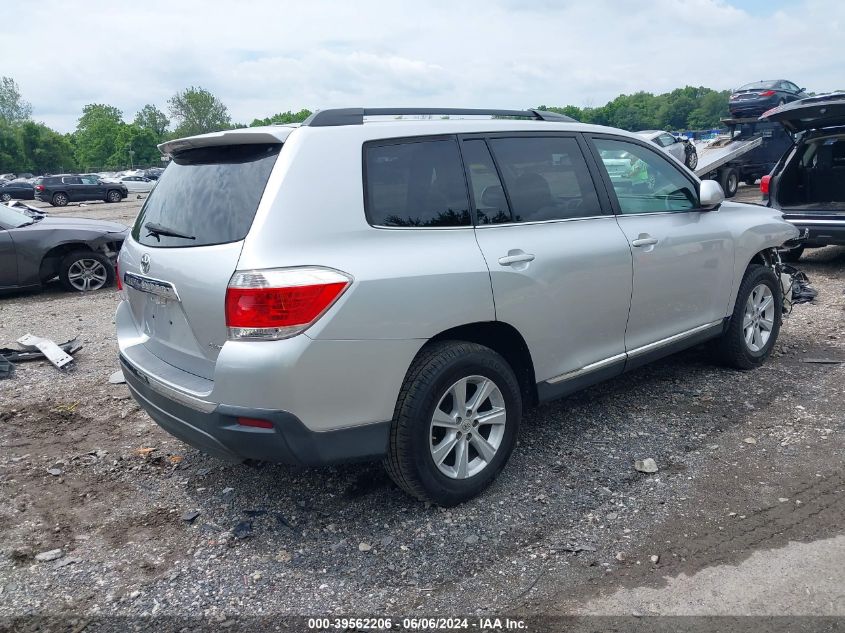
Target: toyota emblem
145,263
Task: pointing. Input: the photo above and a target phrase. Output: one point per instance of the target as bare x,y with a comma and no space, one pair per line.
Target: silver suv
403,284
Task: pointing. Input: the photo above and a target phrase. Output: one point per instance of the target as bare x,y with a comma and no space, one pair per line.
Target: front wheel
455,423
691,158
83,271
114,196
755,323
5,197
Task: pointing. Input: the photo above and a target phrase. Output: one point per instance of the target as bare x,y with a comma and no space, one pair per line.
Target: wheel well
505,340
53,258
764,258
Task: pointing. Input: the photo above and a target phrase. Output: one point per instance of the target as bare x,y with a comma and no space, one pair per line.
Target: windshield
759,85
12,219
208,193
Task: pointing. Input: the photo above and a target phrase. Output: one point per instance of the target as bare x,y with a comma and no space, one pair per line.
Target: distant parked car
679,147
81,253
16,190
137,184
59,190
808,183
755,98
154,173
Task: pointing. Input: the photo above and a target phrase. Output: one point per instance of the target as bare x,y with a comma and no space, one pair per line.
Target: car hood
82,223
813,113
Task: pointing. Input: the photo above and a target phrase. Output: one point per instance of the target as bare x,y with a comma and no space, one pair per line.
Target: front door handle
516,257
644,240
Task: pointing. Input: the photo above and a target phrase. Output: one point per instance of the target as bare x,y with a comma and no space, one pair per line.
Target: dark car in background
17,190
35,250
755,98
808,182
61,189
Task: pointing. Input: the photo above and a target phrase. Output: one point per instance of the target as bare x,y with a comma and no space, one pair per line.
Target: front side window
89,180
72,180
418,183
546,178
644,181
665,140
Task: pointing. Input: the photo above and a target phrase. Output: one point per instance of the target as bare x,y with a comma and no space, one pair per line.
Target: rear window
416,184
758,85
209,194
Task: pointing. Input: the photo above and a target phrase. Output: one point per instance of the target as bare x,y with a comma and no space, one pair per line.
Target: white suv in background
403,284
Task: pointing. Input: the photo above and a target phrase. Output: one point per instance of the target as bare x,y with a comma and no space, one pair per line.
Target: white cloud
264,57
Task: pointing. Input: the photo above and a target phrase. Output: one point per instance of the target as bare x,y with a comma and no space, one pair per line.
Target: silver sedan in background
678,146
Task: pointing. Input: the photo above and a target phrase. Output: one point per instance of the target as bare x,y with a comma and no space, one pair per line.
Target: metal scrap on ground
36,348
54,353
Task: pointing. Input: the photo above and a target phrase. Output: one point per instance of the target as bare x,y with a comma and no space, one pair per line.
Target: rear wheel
59,200
755,322
5,197
83,271
114,196
455,423
729,181
750,181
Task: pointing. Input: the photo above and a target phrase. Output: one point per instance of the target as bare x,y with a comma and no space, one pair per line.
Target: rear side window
418,183
546,178
209,194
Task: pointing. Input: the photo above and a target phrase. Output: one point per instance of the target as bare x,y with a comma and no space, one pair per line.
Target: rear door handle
516,257
644,240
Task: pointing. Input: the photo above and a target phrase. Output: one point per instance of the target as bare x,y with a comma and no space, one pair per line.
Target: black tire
59,199
5,197
690,157
113,195
750,181
409,460
733,348
793,254
75,256
729,181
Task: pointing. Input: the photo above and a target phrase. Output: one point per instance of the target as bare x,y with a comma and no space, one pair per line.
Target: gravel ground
149,526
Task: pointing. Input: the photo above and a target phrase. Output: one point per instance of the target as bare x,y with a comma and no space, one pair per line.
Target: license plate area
162,291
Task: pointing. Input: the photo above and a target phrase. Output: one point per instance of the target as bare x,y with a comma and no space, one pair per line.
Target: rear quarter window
209,194
415,183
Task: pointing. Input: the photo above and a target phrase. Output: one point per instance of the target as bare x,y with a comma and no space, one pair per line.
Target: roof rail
355,116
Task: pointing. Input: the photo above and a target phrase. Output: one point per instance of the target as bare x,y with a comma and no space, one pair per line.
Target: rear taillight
39,187
764,184
117,277
767,93
282,302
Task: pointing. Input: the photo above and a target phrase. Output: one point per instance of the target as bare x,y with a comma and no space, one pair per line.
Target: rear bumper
217,432
821,232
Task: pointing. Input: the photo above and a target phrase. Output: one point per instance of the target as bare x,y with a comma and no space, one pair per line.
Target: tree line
103,139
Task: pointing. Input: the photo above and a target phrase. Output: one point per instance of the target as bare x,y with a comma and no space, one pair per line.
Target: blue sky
268,56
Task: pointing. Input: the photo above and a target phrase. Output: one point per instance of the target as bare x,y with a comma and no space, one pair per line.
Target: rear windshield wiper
157,230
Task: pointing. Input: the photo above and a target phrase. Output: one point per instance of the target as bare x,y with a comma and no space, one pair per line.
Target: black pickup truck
64,188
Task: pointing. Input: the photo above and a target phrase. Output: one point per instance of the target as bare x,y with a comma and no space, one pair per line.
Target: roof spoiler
355,116
241,136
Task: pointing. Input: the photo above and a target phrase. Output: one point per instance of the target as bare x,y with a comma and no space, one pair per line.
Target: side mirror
711,195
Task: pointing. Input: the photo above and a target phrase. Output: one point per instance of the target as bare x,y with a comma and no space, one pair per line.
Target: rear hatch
813,113
187,240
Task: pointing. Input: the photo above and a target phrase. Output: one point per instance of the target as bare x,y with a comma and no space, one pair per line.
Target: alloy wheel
467,427
87,274
759,317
